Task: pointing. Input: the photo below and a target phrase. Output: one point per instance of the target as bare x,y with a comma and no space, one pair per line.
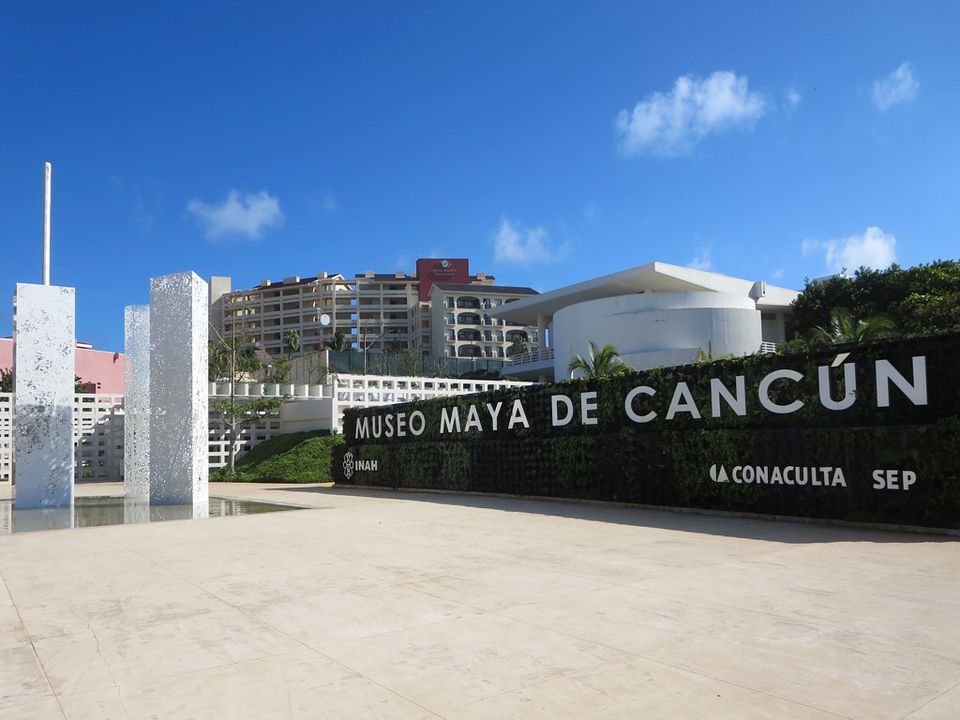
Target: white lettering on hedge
416,414
628,404
682,401
449,420
737,402
555,402
563,407
588,403
517,415
473,420
849,387
789,475
916,392
494,411
764,391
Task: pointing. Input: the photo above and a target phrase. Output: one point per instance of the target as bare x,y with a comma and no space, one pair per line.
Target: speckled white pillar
136,401
44,365
178,390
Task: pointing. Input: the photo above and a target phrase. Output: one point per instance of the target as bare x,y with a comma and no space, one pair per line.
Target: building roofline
651,277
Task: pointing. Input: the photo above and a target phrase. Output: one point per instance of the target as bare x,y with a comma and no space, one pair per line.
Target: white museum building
655,315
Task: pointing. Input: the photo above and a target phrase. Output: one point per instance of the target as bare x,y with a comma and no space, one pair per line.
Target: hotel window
499,352
450,318
486,303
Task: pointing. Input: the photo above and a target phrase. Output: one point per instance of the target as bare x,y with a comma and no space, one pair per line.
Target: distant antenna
47,176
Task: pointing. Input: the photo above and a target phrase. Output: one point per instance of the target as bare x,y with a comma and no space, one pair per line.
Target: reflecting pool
93,511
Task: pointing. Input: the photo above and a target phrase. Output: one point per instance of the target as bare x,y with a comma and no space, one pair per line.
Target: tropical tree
844,328
604,362
291,340
339,342
6,380
229,361
518,346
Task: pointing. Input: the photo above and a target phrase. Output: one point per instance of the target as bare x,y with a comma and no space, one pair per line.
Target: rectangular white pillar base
178,390
44,366
136,401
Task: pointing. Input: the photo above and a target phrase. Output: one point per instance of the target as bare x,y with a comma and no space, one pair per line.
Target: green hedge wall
668,462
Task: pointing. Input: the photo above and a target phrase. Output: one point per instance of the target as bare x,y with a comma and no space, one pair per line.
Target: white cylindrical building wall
651,329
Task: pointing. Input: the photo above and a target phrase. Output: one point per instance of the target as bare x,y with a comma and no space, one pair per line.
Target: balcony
470,303
532,357
472,351
468,319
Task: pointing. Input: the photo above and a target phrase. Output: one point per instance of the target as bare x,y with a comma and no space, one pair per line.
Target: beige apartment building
463,326
377,312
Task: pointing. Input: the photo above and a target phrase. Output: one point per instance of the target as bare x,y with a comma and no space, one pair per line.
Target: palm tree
291,340
339,342
604,362
844,328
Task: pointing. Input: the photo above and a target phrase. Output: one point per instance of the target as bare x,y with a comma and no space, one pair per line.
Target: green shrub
294,458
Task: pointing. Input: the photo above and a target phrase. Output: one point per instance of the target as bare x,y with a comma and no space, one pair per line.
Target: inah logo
348,465
445,263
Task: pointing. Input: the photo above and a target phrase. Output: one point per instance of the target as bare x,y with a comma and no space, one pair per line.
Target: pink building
102,370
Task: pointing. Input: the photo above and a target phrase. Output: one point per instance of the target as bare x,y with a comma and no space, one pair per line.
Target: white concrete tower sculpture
178,391
136,401
44,362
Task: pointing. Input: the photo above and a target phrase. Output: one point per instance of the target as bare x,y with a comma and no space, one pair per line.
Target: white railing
768,347
528,358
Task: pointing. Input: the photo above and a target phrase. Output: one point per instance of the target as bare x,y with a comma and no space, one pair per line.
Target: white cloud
523,246
777,274
702,260
673,123
899,86
793,97
248,214
873,249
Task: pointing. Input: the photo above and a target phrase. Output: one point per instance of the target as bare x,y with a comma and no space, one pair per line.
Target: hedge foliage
921,300
668,462
294,458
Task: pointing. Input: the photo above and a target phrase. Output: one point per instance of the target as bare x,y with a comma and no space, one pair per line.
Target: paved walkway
379,605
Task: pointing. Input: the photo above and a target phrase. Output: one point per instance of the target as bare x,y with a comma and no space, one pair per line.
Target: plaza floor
379,605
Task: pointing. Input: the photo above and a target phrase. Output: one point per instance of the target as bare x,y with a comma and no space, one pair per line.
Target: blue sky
549,142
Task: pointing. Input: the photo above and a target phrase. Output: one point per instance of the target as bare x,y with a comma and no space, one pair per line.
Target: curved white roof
652,277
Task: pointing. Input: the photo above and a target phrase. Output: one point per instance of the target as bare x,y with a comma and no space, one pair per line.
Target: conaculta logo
790,475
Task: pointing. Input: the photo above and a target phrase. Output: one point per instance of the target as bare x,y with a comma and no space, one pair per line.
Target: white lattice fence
248,437
98,437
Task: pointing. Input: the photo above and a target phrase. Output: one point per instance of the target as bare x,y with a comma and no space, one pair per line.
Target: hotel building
437,310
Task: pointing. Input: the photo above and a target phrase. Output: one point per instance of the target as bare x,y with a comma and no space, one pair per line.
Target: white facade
658,328
655,314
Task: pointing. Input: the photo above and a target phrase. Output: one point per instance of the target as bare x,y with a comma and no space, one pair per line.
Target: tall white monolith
136,401
44,366
178,390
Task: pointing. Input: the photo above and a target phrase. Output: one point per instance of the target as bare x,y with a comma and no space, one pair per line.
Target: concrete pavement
382,605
